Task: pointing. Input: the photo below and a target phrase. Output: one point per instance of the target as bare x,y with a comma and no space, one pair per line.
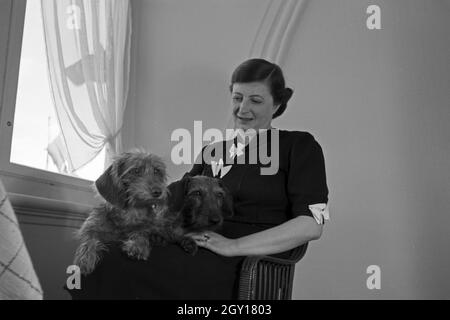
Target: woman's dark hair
260,70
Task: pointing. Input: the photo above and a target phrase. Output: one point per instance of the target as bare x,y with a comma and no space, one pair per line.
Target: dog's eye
156,171
196,193
219,195
137,170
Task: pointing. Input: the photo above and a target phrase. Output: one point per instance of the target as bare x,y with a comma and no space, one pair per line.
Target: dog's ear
227,205
177,193
108,186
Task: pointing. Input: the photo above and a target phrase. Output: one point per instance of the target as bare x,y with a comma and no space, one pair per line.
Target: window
37,141
28,123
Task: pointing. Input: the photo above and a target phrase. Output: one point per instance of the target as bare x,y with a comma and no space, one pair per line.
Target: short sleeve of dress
306,183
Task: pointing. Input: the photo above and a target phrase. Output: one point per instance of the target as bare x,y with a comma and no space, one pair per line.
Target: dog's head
203,202
134,179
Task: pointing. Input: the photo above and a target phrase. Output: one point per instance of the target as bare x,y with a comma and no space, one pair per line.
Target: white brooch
218,167
237,151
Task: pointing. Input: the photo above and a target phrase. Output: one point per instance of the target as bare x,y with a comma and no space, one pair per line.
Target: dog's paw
188,244
86,259
157,240
136,249
86,264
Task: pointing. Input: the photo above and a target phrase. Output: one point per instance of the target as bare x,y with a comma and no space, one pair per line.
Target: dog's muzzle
157,205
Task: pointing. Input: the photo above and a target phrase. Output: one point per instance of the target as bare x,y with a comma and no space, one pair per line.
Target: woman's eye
256,101
237,99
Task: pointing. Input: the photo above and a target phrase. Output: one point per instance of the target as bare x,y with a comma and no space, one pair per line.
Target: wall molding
276,30
47,212
59,180
28,217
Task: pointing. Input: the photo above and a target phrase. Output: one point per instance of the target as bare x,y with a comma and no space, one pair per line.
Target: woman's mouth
244,118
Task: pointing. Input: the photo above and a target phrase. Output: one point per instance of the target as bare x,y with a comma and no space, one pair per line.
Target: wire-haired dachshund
140,211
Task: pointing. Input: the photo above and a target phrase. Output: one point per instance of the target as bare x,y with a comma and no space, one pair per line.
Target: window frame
31,183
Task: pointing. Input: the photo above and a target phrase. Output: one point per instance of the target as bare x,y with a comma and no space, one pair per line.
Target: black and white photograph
224,150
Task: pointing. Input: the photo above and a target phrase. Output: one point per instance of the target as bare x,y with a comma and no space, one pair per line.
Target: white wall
377,101
186,53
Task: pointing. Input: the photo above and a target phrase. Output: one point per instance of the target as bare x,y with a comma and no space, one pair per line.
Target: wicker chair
269,278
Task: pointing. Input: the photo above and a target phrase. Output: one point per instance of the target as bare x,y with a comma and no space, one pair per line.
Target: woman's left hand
216,243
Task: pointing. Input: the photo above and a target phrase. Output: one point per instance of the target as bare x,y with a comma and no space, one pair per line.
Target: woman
273,213
258,96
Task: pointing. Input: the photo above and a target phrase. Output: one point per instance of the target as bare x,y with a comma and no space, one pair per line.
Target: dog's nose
156,193
214,219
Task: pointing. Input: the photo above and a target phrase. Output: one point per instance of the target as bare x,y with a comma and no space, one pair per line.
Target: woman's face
253,106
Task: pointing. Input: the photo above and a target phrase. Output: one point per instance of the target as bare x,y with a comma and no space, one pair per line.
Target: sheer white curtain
88,53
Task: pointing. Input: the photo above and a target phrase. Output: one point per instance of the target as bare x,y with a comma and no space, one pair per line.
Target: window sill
26,203
53,189
44,202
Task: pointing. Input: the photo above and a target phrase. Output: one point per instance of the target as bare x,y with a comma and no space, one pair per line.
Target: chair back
269,278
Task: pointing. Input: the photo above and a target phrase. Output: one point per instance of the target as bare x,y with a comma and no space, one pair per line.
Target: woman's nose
244,106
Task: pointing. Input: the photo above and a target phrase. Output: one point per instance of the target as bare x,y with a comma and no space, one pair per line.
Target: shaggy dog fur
139,210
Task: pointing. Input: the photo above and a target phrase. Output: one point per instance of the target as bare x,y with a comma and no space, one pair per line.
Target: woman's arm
278,239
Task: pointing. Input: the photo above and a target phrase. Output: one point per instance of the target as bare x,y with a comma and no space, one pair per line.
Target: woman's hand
216,243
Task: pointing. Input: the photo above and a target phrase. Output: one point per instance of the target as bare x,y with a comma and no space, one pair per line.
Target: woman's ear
275,108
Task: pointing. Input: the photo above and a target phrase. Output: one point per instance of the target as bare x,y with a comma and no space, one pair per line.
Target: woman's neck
244,136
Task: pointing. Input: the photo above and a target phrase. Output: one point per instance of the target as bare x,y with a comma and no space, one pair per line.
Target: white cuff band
320,212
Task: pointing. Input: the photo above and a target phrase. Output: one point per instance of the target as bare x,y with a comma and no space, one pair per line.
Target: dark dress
260,202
